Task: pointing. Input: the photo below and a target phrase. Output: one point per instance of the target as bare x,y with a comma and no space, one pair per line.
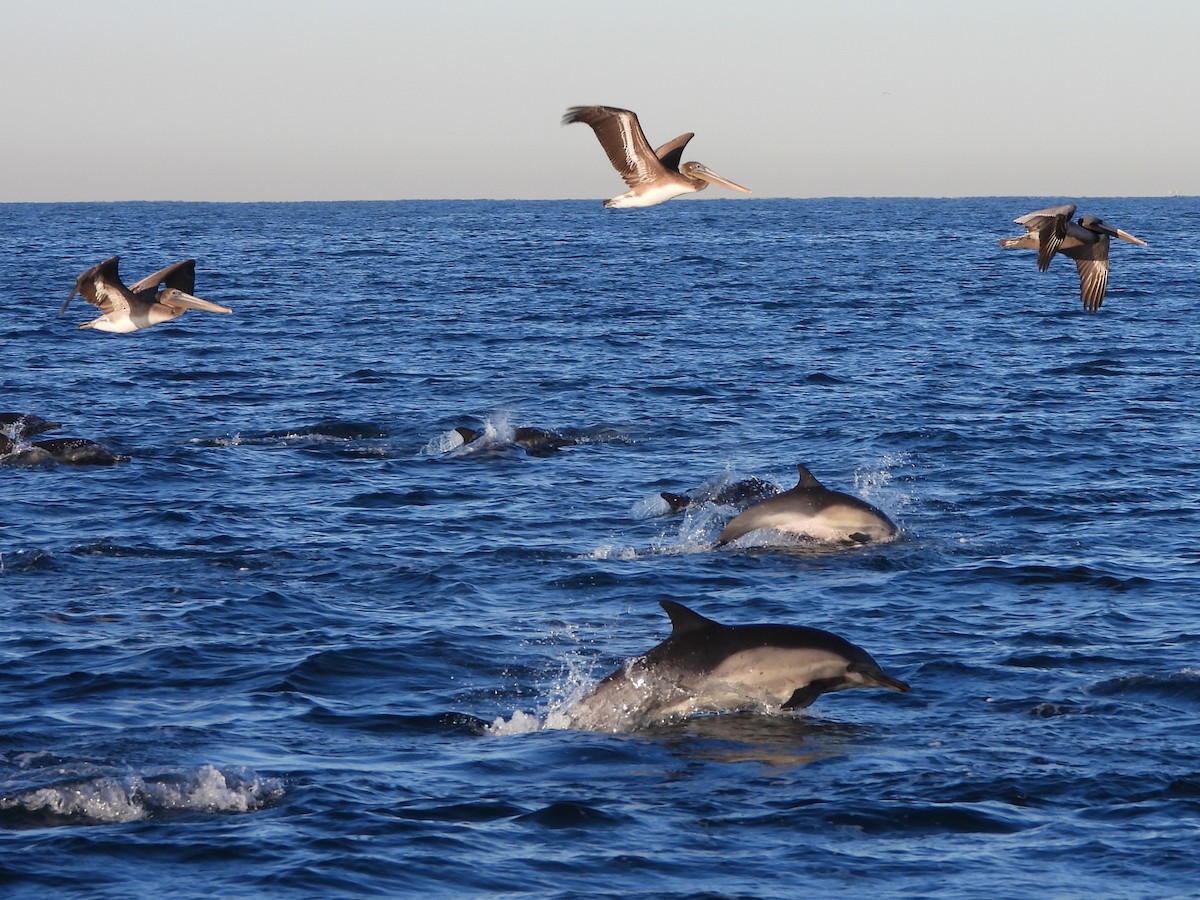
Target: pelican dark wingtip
62,310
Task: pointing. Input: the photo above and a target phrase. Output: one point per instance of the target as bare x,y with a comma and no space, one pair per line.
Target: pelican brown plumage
1050,231
165,295
653,176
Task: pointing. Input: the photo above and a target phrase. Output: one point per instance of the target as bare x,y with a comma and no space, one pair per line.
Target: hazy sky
396,99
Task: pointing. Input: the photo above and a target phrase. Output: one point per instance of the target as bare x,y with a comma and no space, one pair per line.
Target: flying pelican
143,304
1050,231
653,176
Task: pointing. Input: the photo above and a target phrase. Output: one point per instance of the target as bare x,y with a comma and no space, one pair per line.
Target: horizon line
1168,196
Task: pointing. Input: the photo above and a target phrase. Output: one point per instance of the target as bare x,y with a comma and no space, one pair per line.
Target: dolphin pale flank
812,510
705,666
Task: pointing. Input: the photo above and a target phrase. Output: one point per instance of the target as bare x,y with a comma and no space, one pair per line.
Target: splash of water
106,798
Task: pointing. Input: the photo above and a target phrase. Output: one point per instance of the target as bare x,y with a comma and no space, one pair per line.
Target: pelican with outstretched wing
1050,231
161,297
653,176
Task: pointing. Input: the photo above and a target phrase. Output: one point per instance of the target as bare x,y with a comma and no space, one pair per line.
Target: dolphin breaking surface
706,667
813,511
237,597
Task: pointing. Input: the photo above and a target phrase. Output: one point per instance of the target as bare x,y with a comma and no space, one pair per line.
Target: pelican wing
1092,262
670,154
101,286
623,140
1050,226
1066,210
181,276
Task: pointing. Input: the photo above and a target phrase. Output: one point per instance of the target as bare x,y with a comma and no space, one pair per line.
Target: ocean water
301,644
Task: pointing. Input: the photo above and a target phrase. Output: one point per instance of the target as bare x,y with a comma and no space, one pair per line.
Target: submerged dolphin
24,425
812,510
737,493
705,666
68,451
535,441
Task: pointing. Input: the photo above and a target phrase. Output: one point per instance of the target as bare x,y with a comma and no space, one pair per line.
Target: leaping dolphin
705,666
812,510
143,304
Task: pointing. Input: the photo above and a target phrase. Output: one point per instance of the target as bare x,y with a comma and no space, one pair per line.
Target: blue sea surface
301,644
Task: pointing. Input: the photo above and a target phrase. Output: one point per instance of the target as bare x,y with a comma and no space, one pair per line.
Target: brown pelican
653,176
1050,231
143,304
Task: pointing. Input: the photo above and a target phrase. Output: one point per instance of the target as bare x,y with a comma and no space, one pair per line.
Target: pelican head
702,173
1096,224
181,300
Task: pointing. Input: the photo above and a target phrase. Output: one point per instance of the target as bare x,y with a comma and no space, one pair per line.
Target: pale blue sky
396,99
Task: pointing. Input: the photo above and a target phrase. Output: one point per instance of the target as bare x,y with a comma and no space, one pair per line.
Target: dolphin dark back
701,644
25,425
739,494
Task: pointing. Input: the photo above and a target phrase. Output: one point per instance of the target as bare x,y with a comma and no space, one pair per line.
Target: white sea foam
496,431
573,684
442,443
234,440
130,796
650,507
876,485
608,551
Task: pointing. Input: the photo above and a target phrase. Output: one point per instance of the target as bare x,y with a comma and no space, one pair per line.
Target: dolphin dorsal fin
683,620
467,434
807,479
